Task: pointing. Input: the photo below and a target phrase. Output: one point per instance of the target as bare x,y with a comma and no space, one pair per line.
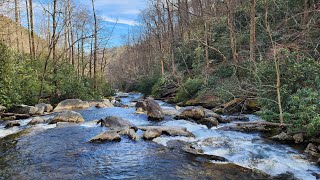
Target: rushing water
49,152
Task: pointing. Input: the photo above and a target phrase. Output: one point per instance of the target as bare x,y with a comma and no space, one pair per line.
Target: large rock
142,105
151,134
172,131
37,120
106,136
11,124
104,103
195,113
207,100
67,116
312,150
283,137
70,104
298,138
209,122
170,111
2,109
154,111
24,109
131,133
42,108
114,122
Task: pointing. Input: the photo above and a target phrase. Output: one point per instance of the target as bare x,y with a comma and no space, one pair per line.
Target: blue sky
124,12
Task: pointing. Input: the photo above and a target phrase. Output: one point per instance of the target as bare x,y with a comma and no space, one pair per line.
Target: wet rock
142,105
188,148
104,103
70,104
285,176
298,138
114,122
209,122
238,118
283,137
151,134
140,111
312,150
209,113
11,124
8,118
154,111
23,109
42,108
318,162
169,111
106,136
65,124
172,131
195,113
12,116
224,120
37,120
131,133
67,116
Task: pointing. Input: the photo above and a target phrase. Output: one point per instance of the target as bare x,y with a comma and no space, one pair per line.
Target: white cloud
121,21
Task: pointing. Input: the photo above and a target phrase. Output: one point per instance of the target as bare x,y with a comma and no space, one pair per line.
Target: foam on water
248,150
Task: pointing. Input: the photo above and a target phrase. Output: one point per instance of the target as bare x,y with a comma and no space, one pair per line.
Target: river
50,152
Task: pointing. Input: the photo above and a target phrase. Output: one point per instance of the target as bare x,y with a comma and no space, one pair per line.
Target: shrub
189,89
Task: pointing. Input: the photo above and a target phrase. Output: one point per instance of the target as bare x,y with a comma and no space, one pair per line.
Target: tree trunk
33,50
95,46
54,27
171,31
232,30
29,30
16,13
252,30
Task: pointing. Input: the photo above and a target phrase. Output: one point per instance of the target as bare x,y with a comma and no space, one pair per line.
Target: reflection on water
64,153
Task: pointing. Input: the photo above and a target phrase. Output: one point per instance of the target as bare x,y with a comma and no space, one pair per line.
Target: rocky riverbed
187,143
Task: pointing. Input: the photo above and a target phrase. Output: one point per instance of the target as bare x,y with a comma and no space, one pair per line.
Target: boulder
12,116
154,111
67,116
298,138
70,104
195,113
65,124
131,133
206,99
237,118
23,109
140,111
104,103
170,111
114,122
151,134
2,109
209,122
37,120
318,162
283,137
42,108
142,105
171,131
312,150
11,124
106,136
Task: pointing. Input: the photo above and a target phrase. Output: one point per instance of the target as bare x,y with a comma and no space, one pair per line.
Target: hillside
9,32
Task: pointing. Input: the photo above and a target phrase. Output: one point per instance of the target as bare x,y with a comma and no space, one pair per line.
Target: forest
195,89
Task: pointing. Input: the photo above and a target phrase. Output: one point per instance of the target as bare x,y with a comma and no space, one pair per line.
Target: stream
50,152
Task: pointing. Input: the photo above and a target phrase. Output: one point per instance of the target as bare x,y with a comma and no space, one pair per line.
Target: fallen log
262,123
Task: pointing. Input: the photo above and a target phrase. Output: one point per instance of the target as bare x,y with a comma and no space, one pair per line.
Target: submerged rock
37,120
151,134
106,136
70,104
11,124
114,122
67,116
154,111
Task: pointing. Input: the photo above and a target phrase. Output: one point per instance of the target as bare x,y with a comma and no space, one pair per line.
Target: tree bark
252,30
33,50
95,46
